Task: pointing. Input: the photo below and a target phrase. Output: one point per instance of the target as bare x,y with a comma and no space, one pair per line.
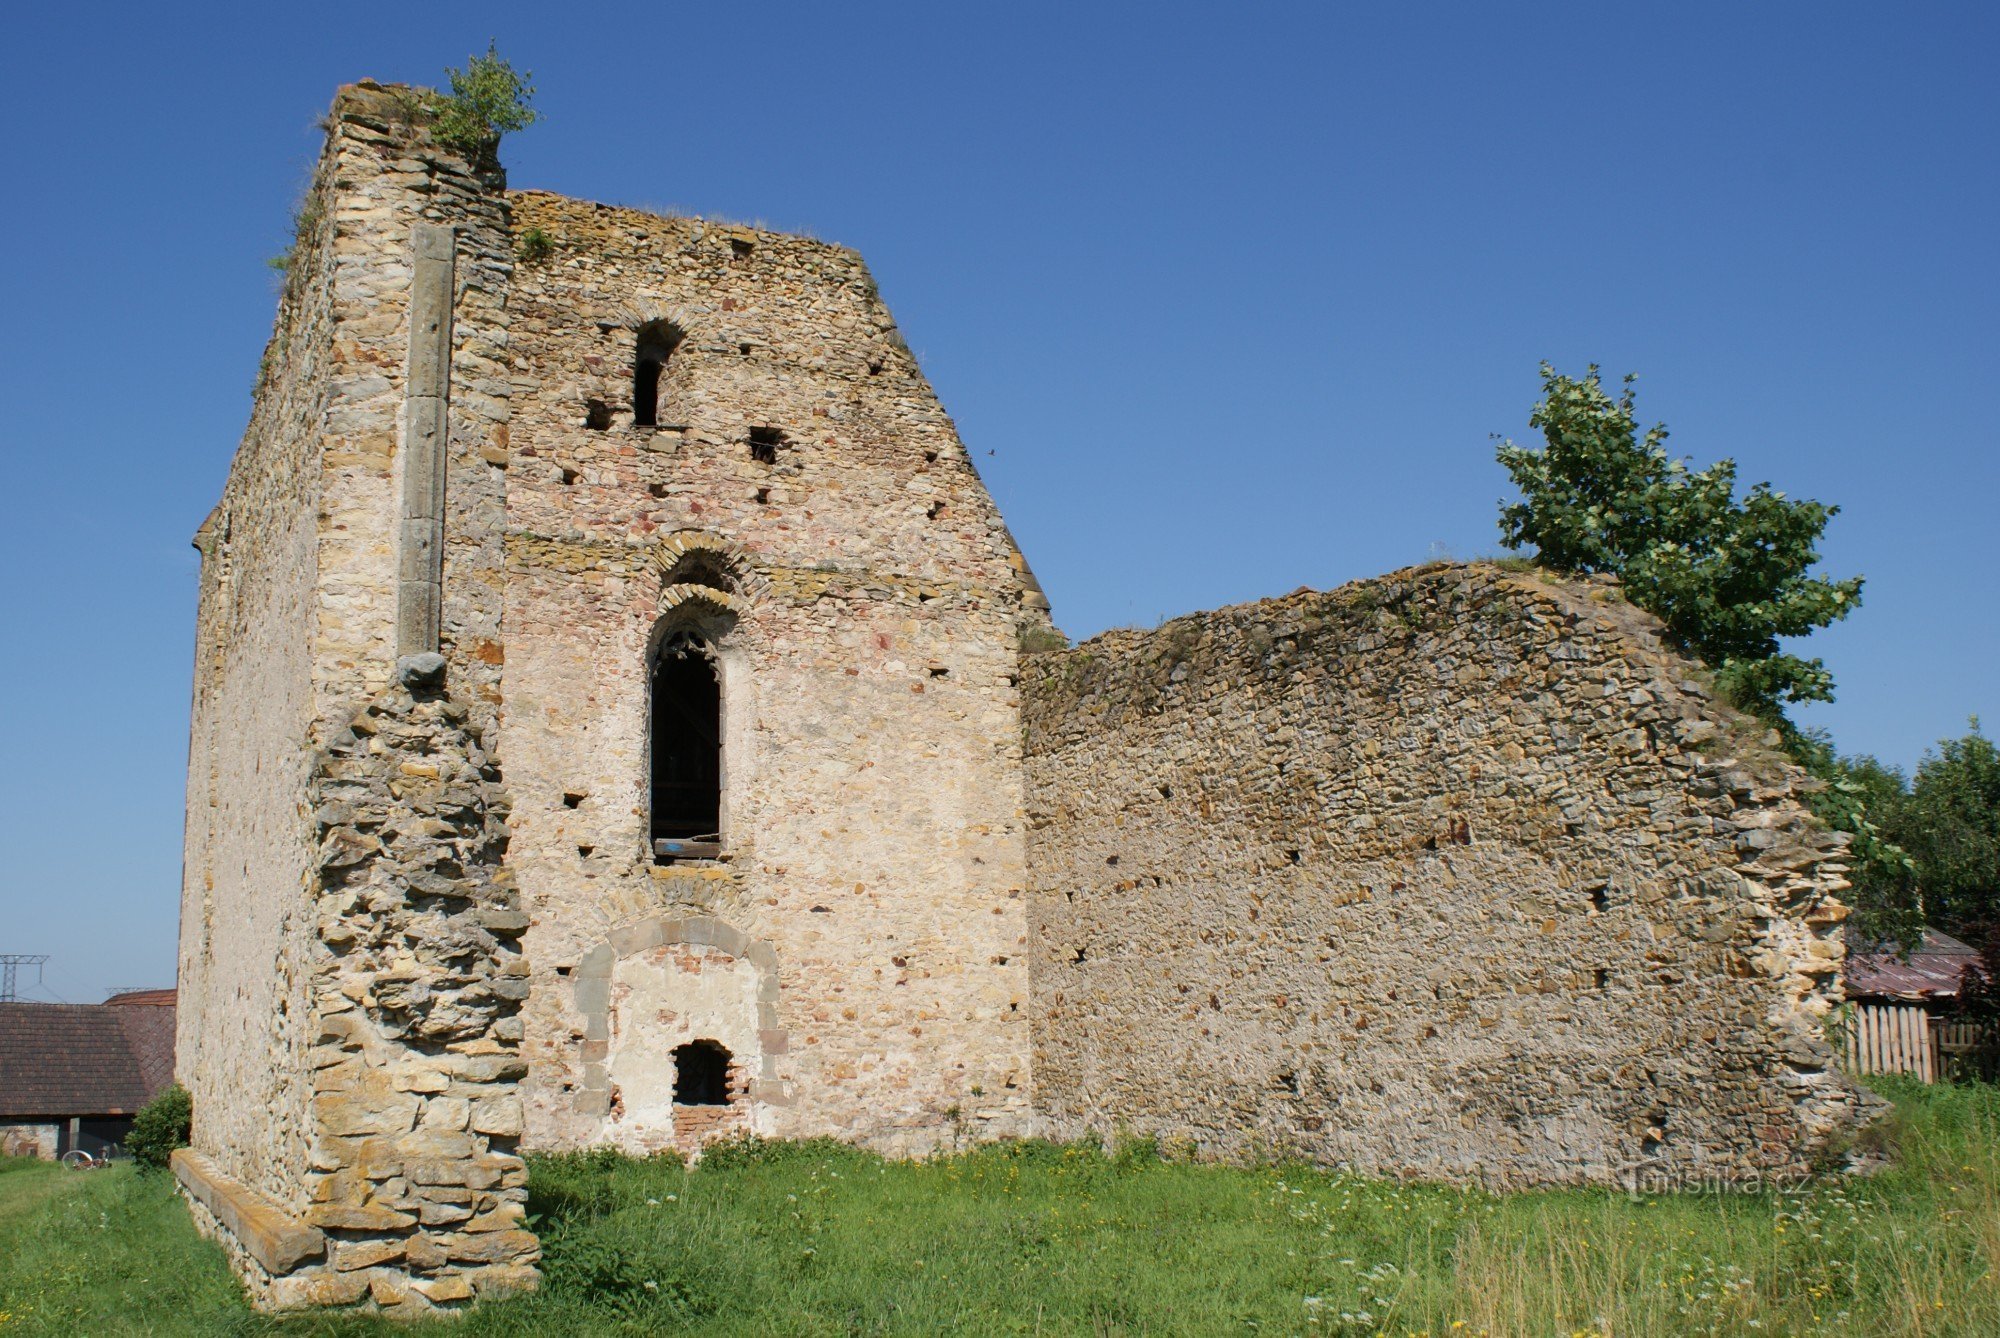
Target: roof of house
1933,970
143,997
83,1059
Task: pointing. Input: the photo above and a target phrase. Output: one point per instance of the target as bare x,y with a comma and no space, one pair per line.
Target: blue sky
1225,300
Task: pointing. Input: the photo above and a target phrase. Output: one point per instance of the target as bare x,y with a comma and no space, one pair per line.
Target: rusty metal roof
1933,971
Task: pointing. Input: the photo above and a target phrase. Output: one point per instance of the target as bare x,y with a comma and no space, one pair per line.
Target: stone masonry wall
860,941
1457,873
247,924
350,971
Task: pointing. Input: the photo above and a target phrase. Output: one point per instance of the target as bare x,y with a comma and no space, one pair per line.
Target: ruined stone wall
247,921
867,911
1455,873
350,972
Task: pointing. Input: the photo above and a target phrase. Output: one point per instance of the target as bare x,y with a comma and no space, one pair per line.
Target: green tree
1860,796
1950,824
1729,577
489,98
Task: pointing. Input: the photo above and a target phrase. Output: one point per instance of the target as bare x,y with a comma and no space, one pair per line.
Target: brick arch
592,986
636,316
747,587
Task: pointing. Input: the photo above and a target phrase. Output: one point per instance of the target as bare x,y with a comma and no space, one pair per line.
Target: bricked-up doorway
686,743
701,1074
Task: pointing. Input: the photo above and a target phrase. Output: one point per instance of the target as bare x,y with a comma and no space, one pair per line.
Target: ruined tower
611,727
660,518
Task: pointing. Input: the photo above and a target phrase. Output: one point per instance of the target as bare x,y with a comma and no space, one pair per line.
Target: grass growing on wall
820,1239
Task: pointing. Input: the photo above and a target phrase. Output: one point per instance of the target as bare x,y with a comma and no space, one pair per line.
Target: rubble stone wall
863,598
1457,873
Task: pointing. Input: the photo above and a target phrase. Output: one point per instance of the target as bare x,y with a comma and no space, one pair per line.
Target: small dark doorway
701,1074
687,743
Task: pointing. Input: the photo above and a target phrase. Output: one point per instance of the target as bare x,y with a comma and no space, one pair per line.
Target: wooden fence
1904,1038
1890,1038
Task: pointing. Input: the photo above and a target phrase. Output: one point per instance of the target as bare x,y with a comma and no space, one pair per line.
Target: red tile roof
83,1059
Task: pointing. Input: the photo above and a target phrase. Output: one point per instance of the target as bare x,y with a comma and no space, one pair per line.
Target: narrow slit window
686,744
656,344
701,1074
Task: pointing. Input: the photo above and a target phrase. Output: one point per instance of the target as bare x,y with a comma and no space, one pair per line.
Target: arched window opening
701,1074
702,567
686,747
656,343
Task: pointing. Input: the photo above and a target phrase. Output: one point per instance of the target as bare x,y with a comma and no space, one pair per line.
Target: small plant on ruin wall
489,98
306,218
536,246
1035,637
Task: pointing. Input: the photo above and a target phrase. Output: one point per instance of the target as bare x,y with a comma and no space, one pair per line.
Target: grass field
1034,1238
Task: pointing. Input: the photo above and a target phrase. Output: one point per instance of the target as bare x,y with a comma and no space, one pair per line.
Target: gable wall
871,755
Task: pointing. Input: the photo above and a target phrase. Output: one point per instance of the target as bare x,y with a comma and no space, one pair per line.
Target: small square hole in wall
571,799
568,478
657,489
875,367
1603,978
934,510
586,851
1600,897
596,415
764,444
740,248
763,497
744,349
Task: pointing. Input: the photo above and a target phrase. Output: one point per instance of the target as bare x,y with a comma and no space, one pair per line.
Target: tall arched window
686,743
656,343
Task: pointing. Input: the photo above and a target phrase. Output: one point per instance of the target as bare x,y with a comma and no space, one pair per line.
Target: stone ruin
622,718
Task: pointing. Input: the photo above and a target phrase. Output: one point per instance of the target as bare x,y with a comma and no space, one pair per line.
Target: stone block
494,1247
278,1241
348,1217
353,1114
499,1116
498,1281
352,1254
450,1287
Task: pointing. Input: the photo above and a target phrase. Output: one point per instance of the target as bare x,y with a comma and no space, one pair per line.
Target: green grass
1033,1238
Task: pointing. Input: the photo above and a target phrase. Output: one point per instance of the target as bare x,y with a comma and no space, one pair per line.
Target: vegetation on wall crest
489,98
